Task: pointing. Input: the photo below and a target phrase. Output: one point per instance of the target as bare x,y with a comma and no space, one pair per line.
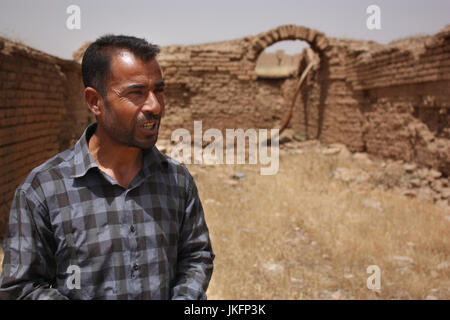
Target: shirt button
135,267
132,229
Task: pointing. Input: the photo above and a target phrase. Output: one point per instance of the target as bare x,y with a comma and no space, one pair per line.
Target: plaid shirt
149,241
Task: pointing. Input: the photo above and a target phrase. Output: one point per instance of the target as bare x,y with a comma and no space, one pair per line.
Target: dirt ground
312,230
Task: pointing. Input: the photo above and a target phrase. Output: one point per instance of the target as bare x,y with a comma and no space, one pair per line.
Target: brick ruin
391,101
42,112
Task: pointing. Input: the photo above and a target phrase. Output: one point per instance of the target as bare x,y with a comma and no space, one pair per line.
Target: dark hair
95,66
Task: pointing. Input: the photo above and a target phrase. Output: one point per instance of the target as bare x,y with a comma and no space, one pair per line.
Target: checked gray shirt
149,241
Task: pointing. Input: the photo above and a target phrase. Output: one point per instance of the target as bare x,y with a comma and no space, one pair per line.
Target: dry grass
301,234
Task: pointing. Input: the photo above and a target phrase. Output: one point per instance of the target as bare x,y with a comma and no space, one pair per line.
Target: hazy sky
42,23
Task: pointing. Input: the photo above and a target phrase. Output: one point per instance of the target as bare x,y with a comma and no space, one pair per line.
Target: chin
148,144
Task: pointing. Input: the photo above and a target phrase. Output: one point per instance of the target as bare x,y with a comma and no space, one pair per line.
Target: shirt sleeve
28,266
195,254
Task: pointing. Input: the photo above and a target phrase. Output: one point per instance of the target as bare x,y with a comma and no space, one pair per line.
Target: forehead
125,68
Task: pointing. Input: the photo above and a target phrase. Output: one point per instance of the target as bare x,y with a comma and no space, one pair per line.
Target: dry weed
300,234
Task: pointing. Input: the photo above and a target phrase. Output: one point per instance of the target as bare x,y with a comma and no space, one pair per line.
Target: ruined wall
217,82
391,101
405,102
41,113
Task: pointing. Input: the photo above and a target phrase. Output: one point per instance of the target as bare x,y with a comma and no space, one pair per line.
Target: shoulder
176,169
56,168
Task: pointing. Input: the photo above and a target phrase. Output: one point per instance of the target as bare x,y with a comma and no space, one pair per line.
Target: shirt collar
83,160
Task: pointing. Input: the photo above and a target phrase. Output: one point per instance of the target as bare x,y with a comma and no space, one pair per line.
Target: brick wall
217,82
404,99
41,113
389,100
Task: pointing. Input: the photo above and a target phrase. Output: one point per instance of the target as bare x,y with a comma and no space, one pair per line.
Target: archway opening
287,74
282,60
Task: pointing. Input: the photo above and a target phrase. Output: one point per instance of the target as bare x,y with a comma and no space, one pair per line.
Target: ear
93,99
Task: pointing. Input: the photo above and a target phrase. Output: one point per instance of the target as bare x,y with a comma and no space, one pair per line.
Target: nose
152,104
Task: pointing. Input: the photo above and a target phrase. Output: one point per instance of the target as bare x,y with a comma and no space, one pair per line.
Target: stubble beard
123,135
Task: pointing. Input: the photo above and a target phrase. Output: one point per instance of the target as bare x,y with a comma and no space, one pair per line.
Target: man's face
134,101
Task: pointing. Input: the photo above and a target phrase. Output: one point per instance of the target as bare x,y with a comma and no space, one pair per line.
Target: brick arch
316,39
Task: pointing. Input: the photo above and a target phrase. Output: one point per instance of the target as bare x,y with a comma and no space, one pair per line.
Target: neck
118,160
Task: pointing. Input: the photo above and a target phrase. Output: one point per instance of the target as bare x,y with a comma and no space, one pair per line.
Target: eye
136,92
159,90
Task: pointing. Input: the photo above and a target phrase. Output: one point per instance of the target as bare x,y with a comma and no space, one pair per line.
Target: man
112,218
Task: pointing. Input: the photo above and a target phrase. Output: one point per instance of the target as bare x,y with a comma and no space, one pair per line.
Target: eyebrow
141,86
134,86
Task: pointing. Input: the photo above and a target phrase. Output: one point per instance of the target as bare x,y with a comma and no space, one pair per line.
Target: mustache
150,117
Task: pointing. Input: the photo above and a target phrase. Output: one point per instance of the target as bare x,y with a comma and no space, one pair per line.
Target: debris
212,201
331,151
445,192
248,230
362,156
238,176
410,167
299,137
434,174
286,136
372,203
231,182
415,183
297,281
444,204
403,259
350,175
425,193
443,265
273,268
344,153
409,193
